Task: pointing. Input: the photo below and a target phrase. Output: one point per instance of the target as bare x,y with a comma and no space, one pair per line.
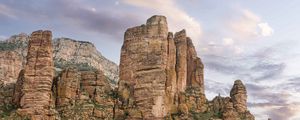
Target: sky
255,41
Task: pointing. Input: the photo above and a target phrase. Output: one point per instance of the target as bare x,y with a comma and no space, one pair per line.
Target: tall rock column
143,68
181,59
36,101
238,95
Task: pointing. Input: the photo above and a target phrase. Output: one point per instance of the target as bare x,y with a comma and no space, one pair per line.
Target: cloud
78,16
178,19
282,113
6,11
274,104
266,30
268,70
213,88
248,25
228,41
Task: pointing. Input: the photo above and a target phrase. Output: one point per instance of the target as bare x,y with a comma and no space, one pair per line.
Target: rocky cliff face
80,53
156,69
36,95
161,77
83,95
13,54
66,52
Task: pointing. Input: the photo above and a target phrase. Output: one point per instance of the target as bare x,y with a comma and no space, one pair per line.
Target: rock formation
161,77
143,66
233,107
83,94
66,52
156,68
13,54
36,94
238,95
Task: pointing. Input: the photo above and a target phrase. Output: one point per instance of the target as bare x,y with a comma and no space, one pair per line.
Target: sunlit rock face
161,77
68,51
156,67
36,99
13,54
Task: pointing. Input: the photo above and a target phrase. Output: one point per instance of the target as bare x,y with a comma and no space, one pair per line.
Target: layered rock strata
66,52
36,94
156,68
83,95
161,78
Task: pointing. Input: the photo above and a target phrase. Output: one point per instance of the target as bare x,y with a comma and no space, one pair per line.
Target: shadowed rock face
36,100
156,67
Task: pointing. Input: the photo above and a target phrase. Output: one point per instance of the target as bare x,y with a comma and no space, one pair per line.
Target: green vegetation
7,109
205,115
5,46
62,64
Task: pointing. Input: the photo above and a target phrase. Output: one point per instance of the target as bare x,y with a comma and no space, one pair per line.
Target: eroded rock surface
66,52
83,95
36,99
156,68
82,54
161,77
238,95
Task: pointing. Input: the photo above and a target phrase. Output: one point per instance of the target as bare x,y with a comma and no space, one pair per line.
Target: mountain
161,78
66,52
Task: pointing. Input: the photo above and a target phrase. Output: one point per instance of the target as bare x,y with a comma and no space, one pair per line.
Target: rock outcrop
76,92
83,94
238,95
155,69
161,77
143,67
36,94
82,54
66,52
233,107
13,54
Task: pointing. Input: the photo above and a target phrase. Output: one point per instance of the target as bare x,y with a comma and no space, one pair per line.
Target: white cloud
177,18
249,25
266,30
227,41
